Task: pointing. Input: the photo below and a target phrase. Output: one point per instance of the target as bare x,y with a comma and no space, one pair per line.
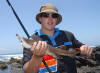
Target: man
32,60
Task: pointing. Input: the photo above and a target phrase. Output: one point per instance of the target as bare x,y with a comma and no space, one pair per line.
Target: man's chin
50,29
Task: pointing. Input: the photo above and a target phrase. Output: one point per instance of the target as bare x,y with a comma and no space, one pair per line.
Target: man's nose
50,17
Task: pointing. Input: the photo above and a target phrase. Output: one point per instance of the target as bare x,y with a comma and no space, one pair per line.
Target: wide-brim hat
49,8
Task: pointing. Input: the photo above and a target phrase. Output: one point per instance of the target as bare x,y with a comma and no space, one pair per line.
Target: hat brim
59,19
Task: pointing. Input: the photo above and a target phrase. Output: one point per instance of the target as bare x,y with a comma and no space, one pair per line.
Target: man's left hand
86,50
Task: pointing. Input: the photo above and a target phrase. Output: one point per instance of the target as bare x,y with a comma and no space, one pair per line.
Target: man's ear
40,19
56,21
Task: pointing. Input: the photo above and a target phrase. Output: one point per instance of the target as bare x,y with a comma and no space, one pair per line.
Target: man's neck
48,32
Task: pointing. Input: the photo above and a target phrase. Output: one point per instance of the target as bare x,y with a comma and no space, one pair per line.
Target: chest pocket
69,45
62,39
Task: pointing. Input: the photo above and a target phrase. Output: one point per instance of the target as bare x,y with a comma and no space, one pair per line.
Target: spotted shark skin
53,51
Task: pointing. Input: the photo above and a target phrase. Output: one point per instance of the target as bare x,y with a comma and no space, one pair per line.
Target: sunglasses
46,15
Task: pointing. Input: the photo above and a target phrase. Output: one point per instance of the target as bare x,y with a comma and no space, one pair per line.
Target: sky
81,17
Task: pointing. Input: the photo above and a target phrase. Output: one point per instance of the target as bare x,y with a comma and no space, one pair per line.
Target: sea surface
7,57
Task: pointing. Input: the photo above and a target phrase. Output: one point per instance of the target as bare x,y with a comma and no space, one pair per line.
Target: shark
56,52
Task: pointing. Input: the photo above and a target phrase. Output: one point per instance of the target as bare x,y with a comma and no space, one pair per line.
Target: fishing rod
21,24
18,18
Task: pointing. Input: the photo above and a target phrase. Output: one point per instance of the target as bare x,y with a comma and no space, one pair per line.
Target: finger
38,48
90,52
45,44
30,39
33,46
39,45
82,49
86,50
42,47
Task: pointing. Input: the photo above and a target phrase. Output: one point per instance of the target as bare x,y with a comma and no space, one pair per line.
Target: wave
7,57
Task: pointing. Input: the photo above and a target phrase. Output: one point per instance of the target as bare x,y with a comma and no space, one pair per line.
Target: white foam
9,56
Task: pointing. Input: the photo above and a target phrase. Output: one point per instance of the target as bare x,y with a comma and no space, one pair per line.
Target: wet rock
87,69
84,65
84,62
3,65
16,68
12,60
90,64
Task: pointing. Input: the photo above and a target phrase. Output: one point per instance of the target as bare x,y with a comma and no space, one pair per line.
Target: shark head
20,38
23,42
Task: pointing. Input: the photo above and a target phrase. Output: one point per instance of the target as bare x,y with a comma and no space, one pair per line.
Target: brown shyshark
53,51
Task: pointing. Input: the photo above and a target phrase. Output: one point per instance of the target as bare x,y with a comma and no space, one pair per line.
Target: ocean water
7,57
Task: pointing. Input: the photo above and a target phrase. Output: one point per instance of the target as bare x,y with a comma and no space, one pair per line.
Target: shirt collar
41,33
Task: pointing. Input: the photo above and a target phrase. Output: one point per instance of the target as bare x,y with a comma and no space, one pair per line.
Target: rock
84,65
84,62
12,60
86,69
97,48
3,65
97,54
16,68
89,64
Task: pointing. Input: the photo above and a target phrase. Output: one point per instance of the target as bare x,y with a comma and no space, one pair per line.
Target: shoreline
15,66
84,65
7,70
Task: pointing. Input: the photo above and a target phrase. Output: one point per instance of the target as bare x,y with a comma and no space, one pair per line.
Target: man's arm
33,65
84,49
38,49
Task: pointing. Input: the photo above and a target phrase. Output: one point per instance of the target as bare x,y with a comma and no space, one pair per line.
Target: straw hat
49,8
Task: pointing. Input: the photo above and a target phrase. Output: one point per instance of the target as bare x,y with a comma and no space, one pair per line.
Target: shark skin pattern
53,51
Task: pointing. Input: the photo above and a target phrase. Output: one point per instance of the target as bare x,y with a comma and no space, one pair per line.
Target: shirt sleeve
26,55
76,43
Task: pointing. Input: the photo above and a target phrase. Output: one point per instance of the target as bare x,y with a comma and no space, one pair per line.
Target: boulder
3,65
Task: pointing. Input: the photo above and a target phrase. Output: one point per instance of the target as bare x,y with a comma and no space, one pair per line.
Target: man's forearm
33,65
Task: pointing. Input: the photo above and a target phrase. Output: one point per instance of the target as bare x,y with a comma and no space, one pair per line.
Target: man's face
48,21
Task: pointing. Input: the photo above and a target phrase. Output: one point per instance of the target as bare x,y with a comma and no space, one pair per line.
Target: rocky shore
84,65
15,65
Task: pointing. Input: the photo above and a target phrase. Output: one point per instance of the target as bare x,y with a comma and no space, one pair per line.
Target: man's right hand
39,48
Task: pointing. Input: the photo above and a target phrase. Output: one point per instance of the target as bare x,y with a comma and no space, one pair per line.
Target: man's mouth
50,23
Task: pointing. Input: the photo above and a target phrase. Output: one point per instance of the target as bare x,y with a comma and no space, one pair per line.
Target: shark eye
21,41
